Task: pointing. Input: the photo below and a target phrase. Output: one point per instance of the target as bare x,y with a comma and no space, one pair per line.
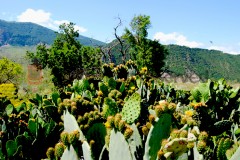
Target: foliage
147,53
10,71
67,58
29,34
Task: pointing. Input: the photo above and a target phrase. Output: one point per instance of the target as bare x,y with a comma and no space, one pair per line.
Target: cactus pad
131,109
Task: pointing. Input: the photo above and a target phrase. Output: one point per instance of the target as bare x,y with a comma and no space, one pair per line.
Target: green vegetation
147,53
29,34
67,58
205,63
10,71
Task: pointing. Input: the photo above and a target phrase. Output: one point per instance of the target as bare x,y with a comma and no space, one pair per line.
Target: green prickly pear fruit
59,149
59,100
90,121
64,138
128,132
73,137
175,133
201,146
74,110
191,122
121,125
151,118
79,120
190,145
145,130
183,134
203,136
50,153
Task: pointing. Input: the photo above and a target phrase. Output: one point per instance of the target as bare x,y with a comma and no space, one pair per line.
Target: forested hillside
205,63
28,34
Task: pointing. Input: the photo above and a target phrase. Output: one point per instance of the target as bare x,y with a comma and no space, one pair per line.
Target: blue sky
210,24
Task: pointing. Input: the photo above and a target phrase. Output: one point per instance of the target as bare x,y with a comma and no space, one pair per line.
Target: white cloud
176,38
43,18
225,49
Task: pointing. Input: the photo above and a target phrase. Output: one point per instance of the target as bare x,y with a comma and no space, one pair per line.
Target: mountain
205,63
29,34
186,62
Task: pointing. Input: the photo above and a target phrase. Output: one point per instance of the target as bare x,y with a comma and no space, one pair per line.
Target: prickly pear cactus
118,147
70,154
159,131
70,124
109,107
132,108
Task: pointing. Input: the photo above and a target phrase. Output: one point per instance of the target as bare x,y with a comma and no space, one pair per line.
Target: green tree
146,52
10,72
65,56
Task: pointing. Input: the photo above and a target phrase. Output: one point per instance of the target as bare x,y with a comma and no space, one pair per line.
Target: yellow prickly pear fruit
50,153
160,154
73,137
145,130
172,107
158,110
59,149
121,125
203,136
164,104
110,120
128,132
64,138
183,134
117,119
201,146
91,143
100,93
149,125
151,118
74,110
175,133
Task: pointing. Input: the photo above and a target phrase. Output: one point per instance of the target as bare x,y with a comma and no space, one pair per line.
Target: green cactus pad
135,143
11,147
70,124
97,133
86,151
118,147
103,88
112,83
32,125
221,126
9,109
132,108
70,154
159,131
109,107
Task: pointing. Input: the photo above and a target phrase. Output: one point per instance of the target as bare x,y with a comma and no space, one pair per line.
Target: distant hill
29,34
184,61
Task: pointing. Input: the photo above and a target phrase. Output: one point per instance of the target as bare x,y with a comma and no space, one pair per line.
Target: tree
65,56
10,71
147,53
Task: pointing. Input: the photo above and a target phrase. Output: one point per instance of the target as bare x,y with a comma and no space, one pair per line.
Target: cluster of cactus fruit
126,115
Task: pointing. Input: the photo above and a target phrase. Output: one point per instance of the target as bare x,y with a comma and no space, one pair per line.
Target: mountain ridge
29,34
